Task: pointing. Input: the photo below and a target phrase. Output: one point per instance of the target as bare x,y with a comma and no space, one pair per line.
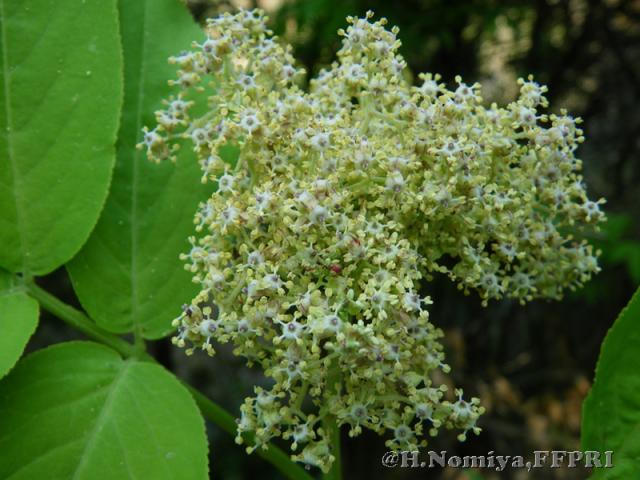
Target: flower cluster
342,201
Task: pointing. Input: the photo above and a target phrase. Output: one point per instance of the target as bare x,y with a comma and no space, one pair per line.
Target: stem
301,396
139,345
239,164
79,320
208,408
330,425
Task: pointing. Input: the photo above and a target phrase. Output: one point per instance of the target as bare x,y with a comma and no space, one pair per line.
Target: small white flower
199,137
288,72
246,82
527,116
225,183
291,330
395,182
209,47
411,302
255,258
272,281
208,327
249,122
151,139
320,141
318,215
356,73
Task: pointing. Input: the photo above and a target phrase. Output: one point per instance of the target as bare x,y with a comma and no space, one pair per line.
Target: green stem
79,320
330,425
139,345
209,409
301,396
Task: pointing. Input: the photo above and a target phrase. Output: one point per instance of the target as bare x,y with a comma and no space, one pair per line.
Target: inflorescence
342,200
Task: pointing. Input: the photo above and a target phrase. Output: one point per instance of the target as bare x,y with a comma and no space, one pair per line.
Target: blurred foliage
619,245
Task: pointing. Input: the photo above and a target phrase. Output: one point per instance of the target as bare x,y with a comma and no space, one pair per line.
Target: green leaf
18,321
611,411
616,226
128,276
629,253
77,410
60,96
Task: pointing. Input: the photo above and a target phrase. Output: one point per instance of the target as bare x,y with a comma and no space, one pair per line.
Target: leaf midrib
9,133
102,418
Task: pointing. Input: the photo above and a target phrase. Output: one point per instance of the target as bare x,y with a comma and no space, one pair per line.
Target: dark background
531,366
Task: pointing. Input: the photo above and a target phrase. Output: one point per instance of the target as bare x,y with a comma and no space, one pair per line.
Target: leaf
611,411
18,321
60,96
616,226
128,276
629,253
78,411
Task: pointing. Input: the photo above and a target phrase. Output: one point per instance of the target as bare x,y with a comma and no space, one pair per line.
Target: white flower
320,141
225,183
249,122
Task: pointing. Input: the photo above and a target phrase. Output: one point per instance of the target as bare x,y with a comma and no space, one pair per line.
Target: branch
330,425
79,320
